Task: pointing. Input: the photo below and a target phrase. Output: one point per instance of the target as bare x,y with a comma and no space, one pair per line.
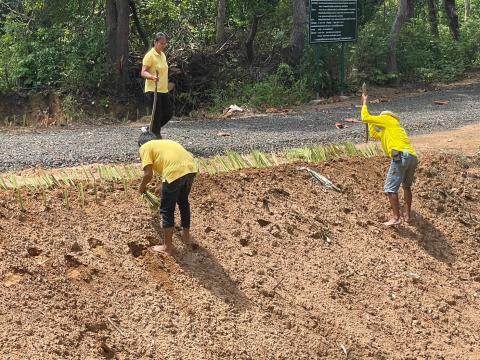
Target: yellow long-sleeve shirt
391,134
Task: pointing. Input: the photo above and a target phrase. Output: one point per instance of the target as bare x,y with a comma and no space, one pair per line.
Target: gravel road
59,147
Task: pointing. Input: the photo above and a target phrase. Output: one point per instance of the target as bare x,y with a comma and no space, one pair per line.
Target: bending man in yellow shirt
396,145
177,169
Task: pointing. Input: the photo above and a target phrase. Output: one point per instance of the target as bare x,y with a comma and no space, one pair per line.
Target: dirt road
420,114
464,140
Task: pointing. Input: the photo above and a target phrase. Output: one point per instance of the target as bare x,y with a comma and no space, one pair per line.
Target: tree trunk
220,23
432,14
251,38
404,13
111,14
297,36
117,13
138,25
468,8
452,18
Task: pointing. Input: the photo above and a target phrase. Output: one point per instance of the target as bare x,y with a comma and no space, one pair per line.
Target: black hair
160,35
146,137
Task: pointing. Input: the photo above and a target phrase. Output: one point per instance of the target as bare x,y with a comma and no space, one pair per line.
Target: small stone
93,243
451,302
263,222
275,231
414,276
76,247
244,241
249,252
33,251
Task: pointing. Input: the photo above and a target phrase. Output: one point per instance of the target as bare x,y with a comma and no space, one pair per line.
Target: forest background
72,60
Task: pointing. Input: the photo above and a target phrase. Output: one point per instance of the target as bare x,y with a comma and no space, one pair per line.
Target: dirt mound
281,270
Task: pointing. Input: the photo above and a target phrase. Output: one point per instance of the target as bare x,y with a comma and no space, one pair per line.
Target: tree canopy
261,55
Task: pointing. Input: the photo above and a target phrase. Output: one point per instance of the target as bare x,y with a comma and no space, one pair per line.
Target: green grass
3,185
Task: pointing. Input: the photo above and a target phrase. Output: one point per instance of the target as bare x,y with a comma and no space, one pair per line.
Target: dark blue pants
174,193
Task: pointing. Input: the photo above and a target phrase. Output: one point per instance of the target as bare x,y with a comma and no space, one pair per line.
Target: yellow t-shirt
391,134
156,62
168,158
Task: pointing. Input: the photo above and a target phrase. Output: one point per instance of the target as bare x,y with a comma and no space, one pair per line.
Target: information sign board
333,21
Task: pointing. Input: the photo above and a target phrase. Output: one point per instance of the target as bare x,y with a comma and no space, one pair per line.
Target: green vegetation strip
231,161
78,180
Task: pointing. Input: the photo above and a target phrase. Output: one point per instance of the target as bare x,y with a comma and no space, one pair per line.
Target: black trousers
163,111
175,193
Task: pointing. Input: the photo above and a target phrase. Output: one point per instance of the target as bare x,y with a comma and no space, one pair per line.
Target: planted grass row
232,161
79,180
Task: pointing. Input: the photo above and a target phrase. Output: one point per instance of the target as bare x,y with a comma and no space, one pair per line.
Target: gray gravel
106,144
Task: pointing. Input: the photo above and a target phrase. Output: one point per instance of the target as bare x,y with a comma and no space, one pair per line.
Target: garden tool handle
365,93
154,102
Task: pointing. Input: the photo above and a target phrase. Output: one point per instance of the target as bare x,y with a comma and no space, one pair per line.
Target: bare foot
162,249
393,222
186,239
409,218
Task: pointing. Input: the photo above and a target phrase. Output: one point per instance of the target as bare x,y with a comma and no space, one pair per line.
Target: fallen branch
322,179
115,326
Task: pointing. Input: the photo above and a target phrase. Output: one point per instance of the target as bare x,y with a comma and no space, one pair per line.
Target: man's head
392,114
146,137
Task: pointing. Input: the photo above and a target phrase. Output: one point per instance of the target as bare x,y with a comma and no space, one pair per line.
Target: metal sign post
342,71
317,69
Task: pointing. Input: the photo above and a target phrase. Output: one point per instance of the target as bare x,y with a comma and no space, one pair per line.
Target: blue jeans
174,193
401,172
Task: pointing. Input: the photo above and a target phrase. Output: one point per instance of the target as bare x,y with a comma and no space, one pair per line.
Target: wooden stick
115,326
154,103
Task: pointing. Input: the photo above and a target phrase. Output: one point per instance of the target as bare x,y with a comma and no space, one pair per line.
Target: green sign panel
333,21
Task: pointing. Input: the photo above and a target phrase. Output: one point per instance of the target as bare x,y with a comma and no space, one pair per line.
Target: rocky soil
281,269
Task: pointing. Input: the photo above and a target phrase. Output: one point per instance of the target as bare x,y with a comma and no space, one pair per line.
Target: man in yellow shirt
177,169
155,62
396,145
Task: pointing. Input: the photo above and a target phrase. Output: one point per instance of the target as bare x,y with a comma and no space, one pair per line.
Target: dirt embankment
282,270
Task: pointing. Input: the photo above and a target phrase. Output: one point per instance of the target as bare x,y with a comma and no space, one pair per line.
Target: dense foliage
61,46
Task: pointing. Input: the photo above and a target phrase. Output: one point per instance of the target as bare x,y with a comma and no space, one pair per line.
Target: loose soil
281,269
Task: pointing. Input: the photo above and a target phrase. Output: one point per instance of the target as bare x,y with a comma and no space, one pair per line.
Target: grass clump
3,185
152,200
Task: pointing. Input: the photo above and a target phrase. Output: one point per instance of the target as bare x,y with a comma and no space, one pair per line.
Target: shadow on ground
202,265
432,240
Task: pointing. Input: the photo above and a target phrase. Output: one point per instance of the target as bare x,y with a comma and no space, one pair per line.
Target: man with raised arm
396,145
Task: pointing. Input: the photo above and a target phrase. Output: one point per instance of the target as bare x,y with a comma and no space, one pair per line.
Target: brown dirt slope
282,270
